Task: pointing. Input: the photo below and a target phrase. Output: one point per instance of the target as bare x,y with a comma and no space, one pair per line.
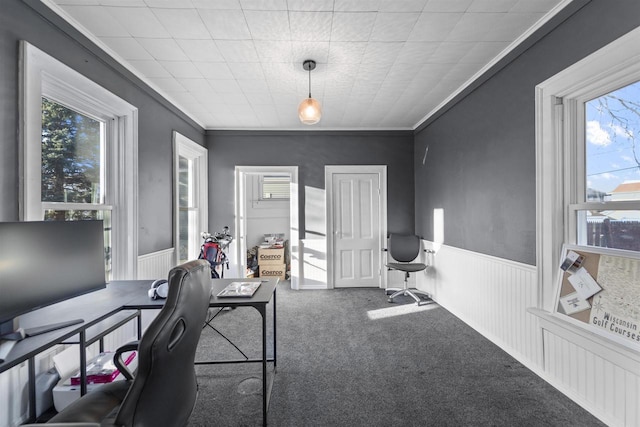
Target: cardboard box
270,256
272,270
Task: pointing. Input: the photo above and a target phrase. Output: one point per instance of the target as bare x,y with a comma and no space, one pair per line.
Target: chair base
413,293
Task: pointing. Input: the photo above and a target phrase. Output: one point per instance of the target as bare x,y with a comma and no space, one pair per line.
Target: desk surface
140,300
97,306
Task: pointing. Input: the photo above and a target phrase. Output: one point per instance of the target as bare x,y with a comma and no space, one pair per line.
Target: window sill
625,355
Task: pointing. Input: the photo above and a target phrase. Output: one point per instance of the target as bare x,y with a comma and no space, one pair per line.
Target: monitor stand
7,341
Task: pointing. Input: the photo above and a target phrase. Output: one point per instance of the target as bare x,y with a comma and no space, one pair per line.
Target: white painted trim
513,45
329,171
466,252
618,355
612,350
126,196
185,147
96,40
152,255
41,74
240,215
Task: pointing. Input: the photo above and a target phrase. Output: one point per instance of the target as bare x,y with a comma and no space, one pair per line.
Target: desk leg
275,358
264,366
83,363
31,366
266,390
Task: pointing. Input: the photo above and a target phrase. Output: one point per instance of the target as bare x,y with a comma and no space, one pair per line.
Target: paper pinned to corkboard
613,310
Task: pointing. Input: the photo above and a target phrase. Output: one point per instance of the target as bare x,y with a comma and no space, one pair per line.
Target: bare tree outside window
612,163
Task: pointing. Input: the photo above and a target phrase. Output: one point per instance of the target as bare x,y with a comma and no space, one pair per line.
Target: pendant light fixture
309,110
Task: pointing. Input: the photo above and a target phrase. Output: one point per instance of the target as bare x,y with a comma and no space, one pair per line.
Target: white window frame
43,75
560,149
274,199
185,147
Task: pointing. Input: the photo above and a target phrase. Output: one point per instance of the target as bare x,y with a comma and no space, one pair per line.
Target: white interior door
356,235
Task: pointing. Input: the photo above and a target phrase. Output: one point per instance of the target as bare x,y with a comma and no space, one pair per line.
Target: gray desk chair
405,248
164,388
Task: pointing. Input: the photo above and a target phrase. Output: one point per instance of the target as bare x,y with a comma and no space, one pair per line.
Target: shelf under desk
121,301
93,308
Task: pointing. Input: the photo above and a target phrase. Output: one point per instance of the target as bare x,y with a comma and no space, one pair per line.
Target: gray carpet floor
347,357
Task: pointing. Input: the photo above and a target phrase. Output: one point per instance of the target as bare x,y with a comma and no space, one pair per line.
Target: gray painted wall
311,151
480,167
31,21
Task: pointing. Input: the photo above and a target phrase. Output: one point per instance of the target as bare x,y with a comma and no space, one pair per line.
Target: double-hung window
605,208
275,187
74,164
79,156
588,157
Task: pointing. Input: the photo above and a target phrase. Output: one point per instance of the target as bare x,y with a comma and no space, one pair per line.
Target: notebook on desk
239,290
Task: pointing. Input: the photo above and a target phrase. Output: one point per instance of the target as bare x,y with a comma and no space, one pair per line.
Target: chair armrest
117,358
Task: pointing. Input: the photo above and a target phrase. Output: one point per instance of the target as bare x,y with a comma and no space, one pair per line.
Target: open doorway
263,206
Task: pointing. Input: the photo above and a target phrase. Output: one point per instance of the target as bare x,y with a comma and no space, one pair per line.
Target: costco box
272,270
270,256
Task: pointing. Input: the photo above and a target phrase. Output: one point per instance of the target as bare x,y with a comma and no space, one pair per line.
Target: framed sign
599,288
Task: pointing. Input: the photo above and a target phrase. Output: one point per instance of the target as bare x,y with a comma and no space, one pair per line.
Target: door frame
329,172
240,215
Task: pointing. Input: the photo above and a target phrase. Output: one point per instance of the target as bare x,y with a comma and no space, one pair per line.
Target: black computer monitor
44,262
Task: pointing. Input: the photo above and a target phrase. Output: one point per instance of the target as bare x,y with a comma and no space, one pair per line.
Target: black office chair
404,249
164,388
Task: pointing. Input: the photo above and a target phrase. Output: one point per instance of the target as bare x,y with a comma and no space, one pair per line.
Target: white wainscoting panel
489,294
13,411
156,265
496,297
597,381
600,375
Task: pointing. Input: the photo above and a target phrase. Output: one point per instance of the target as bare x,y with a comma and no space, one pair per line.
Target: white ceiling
237,64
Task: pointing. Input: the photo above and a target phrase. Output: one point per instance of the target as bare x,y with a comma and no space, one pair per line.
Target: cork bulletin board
599,288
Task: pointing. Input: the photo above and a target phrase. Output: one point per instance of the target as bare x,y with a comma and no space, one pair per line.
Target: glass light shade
309,111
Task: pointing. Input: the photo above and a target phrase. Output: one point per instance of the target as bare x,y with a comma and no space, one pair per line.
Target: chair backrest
163,392
404,247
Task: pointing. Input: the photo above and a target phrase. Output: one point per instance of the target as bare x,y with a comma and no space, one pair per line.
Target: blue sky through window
613,139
